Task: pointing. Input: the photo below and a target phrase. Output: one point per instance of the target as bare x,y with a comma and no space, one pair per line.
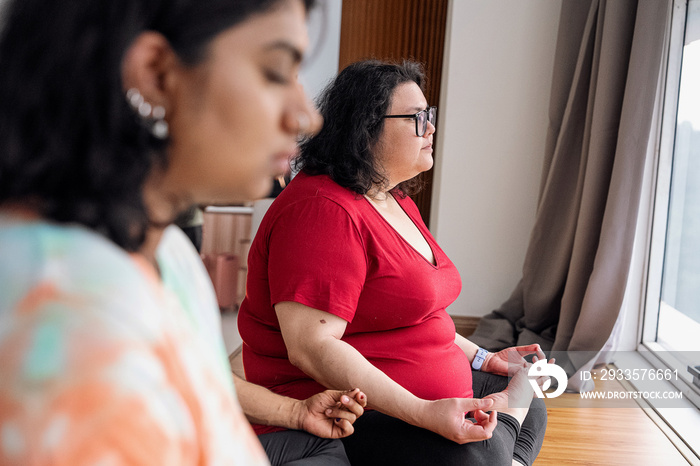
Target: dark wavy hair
70,146
352,106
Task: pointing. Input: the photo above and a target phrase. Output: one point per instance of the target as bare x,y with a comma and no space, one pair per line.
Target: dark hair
69,143
352,107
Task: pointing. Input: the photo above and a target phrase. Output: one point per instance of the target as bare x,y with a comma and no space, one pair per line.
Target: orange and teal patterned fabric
103,362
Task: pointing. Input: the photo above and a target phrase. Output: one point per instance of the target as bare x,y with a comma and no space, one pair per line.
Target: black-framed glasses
422,118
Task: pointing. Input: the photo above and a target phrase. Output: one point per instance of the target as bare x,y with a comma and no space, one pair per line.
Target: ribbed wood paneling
394,30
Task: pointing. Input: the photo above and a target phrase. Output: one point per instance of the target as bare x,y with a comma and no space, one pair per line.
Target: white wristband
479,359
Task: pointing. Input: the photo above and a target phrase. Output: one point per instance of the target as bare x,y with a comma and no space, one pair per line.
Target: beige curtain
606,71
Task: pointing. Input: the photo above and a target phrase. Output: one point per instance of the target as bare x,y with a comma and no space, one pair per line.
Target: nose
429,130
301,117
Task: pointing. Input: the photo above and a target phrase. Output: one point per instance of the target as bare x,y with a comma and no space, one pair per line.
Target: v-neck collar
436,265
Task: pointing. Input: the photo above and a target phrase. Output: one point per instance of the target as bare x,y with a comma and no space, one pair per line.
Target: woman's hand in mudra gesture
498,363
331,413
449,418
519,391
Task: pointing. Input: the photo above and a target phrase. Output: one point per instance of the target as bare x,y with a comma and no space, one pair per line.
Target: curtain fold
606,69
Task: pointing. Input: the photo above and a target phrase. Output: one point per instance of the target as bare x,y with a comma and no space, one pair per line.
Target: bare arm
467,346
314,345
497,363
328,414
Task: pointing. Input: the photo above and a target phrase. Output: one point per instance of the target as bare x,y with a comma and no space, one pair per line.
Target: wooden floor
580,432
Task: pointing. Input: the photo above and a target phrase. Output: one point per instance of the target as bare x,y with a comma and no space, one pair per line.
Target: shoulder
75,331
73,259
183,273
178,258
64,279
308,187
318,202
93,341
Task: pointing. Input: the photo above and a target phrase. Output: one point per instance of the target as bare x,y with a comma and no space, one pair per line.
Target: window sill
679,424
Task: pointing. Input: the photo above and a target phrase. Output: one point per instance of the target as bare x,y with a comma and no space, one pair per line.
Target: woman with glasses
346,285
114,118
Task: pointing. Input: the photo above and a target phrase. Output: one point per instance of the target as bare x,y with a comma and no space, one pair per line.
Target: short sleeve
317,257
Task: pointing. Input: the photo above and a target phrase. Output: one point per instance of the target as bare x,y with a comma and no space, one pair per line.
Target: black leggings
297,448
383,440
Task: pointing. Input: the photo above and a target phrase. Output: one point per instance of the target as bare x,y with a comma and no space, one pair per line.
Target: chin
243,193
426,166
261,190
425,162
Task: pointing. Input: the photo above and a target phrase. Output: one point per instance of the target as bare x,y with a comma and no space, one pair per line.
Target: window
671,315
679,304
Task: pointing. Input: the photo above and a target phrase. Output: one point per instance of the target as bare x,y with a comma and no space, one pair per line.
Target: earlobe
145,65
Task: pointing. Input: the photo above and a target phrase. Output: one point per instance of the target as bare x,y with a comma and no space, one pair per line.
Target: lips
427,147
281,161
283,156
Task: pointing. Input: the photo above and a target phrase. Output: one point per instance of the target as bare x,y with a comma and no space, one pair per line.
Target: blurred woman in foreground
114,118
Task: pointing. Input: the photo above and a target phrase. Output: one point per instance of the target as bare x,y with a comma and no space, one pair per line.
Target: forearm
445,417
334,363
261,406
314,344
467,346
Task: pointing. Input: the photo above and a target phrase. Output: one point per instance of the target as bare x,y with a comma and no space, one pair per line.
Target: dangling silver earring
152,116
160,127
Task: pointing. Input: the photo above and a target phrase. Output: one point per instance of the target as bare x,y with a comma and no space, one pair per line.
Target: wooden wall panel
394,30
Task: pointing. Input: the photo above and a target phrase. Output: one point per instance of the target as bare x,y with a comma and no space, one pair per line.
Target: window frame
648,345
652,233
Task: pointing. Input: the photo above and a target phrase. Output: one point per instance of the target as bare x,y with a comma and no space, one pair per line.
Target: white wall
319,68
492,124
321,62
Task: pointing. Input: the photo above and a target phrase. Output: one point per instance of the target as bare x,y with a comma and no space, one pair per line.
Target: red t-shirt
326,247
